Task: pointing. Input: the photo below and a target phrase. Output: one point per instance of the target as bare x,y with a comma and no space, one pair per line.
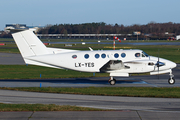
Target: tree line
152,28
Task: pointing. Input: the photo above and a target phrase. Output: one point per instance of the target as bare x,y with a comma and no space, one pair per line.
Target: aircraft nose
168,64
173,65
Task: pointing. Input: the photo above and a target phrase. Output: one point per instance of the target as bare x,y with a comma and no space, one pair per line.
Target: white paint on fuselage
92,64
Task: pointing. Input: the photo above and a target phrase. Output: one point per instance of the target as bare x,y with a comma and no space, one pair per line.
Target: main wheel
171,81
112,82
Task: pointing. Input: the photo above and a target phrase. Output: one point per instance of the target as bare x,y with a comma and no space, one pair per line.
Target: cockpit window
145,54
137,55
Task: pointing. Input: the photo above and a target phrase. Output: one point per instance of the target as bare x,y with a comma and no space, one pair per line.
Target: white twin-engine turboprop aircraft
116,62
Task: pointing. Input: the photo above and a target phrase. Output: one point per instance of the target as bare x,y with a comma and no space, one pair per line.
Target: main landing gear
171,79
112,81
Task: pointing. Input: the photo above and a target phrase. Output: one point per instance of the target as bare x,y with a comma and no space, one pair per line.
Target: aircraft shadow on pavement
78,81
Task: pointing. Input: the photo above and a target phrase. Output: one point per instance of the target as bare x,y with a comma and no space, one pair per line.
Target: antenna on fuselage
90,49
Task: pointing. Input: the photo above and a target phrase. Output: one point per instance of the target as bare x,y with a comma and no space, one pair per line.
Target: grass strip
43,107
109,91
38,72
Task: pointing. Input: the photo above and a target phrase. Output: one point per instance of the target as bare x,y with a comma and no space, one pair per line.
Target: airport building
14,26
18,26
82,36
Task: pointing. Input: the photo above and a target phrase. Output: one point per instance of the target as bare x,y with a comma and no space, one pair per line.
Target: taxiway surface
134,108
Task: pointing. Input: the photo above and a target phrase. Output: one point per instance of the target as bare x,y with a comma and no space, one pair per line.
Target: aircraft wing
113,65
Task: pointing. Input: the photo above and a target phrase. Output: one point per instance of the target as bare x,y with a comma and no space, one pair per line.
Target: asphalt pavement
11,59
92,115
134,108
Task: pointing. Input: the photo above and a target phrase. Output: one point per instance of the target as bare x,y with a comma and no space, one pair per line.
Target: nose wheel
112,81
171,80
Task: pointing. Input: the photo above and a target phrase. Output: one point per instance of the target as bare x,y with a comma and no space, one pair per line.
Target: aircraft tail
29,44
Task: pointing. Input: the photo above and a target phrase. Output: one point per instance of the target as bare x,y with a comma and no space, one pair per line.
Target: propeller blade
158,64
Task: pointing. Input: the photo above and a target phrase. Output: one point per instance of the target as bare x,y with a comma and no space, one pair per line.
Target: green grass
110,91
43,107
9,50
33,72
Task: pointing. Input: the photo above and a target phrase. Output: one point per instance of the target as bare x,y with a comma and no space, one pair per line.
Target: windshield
145,54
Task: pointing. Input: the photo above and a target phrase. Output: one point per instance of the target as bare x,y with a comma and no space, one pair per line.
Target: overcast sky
126,12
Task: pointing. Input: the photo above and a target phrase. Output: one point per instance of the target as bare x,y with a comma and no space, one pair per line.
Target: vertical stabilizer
29,44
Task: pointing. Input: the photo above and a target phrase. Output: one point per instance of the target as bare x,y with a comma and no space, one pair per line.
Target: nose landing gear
171,80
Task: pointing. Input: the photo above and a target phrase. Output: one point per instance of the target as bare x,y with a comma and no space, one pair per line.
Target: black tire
112,82
171,81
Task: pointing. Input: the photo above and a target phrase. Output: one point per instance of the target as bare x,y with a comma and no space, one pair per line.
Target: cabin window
97,56
116,55
86,56
137,55
123,55
103,55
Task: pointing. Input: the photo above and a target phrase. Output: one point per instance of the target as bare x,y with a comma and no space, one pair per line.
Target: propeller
159,64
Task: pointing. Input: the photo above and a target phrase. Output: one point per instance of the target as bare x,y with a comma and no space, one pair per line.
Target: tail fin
29,44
